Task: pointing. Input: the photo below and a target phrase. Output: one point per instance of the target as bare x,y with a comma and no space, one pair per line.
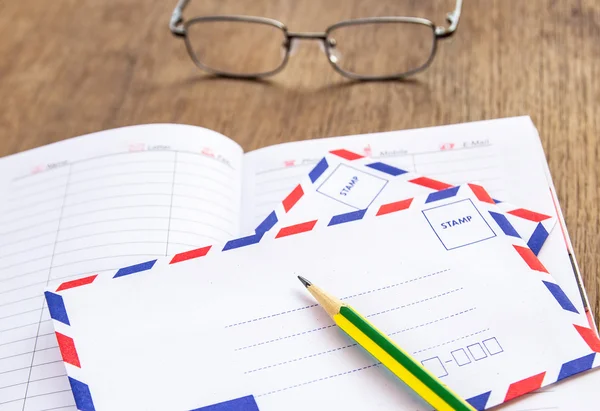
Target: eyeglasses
374,48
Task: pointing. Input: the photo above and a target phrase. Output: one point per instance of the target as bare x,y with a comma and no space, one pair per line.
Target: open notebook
113,198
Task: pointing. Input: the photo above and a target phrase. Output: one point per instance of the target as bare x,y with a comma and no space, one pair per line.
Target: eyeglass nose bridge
307,36
321,37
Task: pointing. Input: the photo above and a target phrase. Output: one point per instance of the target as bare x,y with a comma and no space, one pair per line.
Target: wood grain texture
70,67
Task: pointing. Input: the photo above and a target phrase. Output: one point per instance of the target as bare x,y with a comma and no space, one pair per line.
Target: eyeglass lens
381,48
236,47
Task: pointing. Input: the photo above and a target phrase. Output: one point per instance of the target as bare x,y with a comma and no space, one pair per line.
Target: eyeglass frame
178,27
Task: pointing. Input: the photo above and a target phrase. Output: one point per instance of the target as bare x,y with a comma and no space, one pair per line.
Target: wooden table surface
70,67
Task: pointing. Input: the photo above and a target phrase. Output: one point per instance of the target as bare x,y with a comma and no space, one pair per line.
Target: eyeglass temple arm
177,18
453,17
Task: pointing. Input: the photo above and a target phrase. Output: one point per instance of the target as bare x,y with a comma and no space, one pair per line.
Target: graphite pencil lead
304,281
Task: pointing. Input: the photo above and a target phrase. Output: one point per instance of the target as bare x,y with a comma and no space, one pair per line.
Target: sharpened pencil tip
304,281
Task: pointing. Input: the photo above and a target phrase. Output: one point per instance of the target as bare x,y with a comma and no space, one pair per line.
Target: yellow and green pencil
417,377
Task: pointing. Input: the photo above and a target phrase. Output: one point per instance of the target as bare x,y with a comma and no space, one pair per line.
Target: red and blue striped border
66,344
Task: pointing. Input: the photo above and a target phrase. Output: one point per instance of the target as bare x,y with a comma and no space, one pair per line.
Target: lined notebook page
272,184
93,204
500,154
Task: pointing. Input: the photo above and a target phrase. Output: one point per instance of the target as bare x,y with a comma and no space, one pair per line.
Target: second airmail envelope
344,181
